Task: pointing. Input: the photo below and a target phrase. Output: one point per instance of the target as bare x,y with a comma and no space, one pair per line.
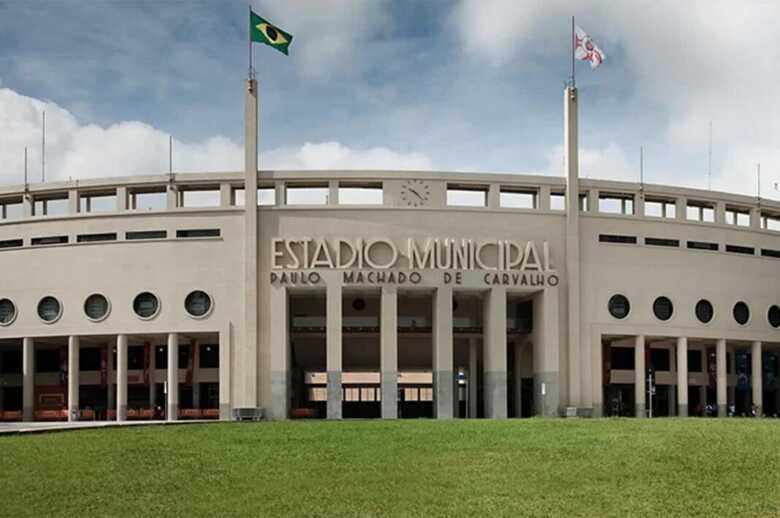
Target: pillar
225,195
494,353
28,379
546,353
280,353
121,199
73,378
248,353
640,390
494,196
224,373
518,380
571,166
757,377
121,377
333,350
110,378
333,192
544,198
195,349
389,352
173,377
473,378
443,377
720,353
152,377
682,377
73,201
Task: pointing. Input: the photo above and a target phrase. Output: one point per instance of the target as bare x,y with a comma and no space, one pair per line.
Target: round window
773,316
741,313
7,312
359,304
619,306
704,311
49,309
96,307
146,305
663,308
197,303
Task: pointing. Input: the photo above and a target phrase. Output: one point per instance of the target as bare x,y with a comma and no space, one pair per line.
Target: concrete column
152,377
195,346
172,196
494,353
389,352
225,195
224,373
110,377
333,350
682,376
640,389
173,377
121,198
121,377
73,201
681,208
639,204
546,353
473,378
28,206
280,353
518,380
73,378
280,193
757,378
28,378
755,217
248,355
333,192
543,202
494,196
721,377
443,376
720,212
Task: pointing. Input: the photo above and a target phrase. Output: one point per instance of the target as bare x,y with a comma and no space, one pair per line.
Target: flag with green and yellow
263,31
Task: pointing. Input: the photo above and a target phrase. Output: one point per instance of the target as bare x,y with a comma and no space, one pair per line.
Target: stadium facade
385,294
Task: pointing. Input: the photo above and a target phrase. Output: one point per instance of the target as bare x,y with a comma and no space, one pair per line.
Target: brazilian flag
263,31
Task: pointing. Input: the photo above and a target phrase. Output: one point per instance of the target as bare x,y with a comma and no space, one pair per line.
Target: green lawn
660,467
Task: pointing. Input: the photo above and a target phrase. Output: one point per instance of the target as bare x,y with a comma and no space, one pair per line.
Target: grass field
660,467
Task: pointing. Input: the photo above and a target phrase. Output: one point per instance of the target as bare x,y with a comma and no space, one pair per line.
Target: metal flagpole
573,47
26,184
709,161
641,168
251,60
43,149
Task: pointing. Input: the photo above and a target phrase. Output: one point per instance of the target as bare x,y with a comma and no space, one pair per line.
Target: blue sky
451,85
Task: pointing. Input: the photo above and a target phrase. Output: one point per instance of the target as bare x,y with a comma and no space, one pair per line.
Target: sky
449,85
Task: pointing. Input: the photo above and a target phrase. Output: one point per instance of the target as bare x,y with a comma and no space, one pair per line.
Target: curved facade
392,294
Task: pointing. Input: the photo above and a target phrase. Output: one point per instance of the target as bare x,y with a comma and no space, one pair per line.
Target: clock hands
416,193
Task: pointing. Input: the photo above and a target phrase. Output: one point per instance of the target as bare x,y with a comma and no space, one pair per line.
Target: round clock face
415,193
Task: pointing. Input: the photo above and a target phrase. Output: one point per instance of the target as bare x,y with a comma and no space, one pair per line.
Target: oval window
619,306
704,311
197,303
7,312
146,305
663,308
49,309
741,313
773,316
96,307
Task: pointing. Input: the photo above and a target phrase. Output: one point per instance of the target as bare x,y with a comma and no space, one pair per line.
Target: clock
415,193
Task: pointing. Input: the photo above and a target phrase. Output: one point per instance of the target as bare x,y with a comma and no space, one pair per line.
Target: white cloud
695,61
329,34
76,151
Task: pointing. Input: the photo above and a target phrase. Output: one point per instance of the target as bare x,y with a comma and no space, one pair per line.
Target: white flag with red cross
585,49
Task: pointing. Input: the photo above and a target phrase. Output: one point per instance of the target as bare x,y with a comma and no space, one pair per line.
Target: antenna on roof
26,185
758,182
709,161
170,158
641,168
43,149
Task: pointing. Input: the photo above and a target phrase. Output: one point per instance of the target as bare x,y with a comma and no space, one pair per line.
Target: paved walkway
58,426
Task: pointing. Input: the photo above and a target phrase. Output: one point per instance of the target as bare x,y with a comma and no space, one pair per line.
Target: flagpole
249,37
573,46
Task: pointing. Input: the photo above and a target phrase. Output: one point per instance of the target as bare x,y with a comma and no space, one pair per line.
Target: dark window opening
694,361
701,245
741,249
47,360
619,306
621,358
657,241
49,240
11,243
11,362
135,357
660,359
199,232
704,311
768,252
89,358
663,308
160,357
91,238
741,313
209,356
774,316
146,234
611,238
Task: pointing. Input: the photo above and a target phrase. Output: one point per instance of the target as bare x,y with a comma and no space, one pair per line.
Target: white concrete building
385,294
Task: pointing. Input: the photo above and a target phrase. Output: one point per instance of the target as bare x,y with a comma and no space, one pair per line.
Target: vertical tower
249,388
571,164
